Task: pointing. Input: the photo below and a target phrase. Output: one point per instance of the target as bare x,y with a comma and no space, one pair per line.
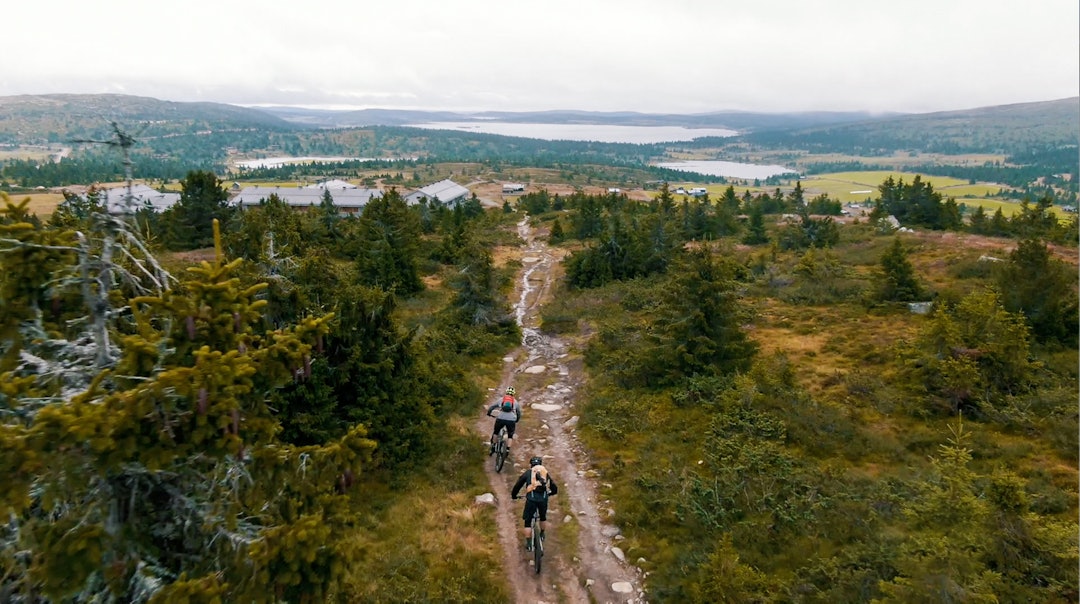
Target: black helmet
535,461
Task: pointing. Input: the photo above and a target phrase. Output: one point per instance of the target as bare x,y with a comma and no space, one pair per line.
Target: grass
849,415
41,204
427,540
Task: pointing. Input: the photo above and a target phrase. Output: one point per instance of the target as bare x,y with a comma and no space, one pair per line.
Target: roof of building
115,199
446,191
333,185
306,196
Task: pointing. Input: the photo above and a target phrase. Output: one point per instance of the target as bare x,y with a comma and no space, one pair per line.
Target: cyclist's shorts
510,426
540,506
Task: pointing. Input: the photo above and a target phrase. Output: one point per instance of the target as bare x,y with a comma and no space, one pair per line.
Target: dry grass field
41,204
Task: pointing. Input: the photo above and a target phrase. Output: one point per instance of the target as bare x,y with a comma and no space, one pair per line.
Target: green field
850,187
862,187
853,186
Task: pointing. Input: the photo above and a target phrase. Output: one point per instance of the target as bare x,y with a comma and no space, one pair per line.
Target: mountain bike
537,541
502,451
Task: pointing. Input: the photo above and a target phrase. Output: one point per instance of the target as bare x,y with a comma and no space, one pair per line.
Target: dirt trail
546,374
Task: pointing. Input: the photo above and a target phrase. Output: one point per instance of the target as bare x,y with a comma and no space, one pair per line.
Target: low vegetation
865,451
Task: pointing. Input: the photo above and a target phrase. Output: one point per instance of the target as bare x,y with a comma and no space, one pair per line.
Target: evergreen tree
999,225
699,327
328,217
190,222
76,208
477,301
1043,289
589,217
941,560
556,236
978,223
267,233
897,281
162,479
975,353
796,200
755,232
389,236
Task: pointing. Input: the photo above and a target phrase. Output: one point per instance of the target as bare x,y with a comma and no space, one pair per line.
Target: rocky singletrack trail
582,561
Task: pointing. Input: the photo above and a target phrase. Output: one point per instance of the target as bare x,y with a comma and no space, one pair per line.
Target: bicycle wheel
538,543
500,452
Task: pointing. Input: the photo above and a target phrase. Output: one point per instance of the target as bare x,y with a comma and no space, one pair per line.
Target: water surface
728,169
600,133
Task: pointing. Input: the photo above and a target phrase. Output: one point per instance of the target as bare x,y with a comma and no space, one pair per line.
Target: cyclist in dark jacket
508,418
539,485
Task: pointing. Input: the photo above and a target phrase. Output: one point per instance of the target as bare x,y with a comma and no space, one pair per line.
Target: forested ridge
1039,140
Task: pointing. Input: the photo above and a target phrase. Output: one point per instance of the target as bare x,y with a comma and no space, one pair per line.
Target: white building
143,197
446,192
348,199
513,187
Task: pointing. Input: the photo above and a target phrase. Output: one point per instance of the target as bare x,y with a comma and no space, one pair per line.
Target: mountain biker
509,415
539,485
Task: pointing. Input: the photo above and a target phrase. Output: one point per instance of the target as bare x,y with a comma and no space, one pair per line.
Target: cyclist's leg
499,423
511,427
527,515
542,509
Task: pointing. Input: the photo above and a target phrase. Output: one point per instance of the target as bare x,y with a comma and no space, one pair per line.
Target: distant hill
1017,128
56,118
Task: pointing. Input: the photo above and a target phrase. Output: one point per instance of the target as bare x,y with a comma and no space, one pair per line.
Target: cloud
679,56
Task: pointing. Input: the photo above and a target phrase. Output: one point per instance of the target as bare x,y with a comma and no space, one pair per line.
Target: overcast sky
671,56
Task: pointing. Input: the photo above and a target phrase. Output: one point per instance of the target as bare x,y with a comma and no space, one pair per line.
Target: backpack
508,403
539,492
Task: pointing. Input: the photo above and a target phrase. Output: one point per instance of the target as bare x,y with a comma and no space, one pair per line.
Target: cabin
348,198
142,196
445,192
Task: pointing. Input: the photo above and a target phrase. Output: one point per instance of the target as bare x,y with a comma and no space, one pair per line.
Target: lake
728,169
580,132
599,133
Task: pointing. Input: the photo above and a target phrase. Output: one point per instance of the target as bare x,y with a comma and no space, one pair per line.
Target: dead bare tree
99,272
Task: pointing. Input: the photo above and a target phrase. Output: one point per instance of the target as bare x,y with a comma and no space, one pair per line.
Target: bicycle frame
501,450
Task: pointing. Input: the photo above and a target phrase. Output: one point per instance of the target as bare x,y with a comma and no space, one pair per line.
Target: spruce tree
190,222
896,280
160,476
389,236
699,326
755,230
1043,289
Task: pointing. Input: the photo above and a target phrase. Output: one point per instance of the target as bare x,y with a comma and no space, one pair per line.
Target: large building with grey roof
445,192
143,197
348,199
